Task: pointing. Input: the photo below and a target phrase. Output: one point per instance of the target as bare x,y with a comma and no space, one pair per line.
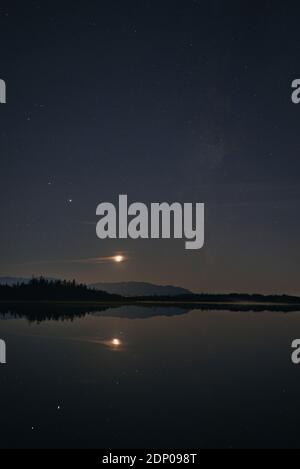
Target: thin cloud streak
91,261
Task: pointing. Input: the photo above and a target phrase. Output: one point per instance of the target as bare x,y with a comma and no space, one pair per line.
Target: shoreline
128,302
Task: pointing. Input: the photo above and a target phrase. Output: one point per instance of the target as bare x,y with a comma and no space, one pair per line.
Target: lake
149,377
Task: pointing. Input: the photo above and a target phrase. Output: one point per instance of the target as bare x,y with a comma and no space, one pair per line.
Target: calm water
196,379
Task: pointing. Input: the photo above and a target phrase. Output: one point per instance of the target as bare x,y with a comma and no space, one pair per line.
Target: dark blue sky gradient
161,100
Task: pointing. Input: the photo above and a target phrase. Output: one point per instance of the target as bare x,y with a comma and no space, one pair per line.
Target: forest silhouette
41,289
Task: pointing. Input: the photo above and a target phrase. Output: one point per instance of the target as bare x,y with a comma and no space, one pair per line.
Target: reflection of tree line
48,312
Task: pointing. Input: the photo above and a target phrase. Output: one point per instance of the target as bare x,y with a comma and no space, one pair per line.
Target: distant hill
134,289
15,280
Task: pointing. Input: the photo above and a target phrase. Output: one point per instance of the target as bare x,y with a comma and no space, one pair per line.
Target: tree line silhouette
226,298
41,289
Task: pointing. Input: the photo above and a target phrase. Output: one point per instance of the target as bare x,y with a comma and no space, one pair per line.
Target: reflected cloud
114,344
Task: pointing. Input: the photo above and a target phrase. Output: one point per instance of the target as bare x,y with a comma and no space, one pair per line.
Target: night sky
163,100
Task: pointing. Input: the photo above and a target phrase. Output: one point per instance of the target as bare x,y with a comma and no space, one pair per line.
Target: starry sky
162,100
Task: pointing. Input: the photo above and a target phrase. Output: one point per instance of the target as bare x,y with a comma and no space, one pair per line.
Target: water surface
137,377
